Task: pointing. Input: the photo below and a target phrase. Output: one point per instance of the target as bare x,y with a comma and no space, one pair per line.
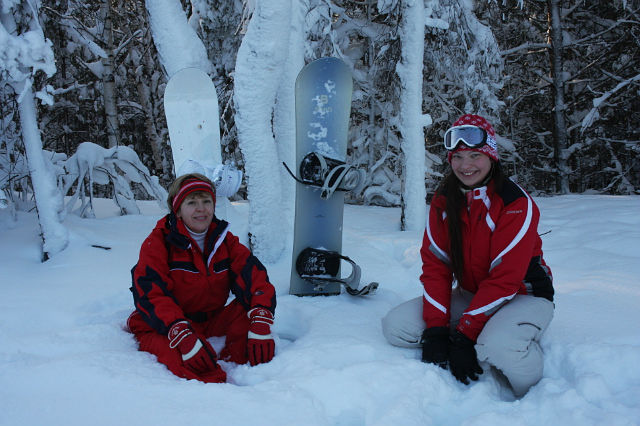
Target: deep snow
65,359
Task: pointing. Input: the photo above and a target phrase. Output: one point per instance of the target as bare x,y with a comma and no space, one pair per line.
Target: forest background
557,78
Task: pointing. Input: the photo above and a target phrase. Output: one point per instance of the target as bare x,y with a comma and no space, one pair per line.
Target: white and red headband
190,186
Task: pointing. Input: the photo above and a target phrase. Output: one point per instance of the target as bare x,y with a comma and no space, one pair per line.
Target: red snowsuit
502,256
174,280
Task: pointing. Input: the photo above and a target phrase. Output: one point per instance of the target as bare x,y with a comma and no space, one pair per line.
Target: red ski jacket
173,280
502,256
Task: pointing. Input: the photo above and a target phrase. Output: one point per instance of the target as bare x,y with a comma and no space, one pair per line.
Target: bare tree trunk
108,80
144,96
559,123
144,74
371,105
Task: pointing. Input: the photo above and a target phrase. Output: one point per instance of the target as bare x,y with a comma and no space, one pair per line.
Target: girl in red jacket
488,293
188,266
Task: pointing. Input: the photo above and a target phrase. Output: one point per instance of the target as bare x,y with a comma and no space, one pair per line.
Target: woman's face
470,167
196,211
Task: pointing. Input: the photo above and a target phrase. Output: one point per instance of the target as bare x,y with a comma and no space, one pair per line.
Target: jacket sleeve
152,287
250,282
511,247
436,275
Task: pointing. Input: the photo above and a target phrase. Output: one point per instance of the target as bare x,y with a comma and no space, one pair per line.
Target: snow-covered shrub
91,165
119,166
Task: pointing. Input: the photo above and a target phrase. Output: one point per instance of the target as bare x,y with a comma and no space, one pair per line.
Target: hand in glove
463,360
197,354
435,346
260,343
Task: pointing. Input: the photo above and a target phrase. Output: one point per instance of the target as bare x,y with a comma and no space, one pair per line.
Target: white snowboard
191,109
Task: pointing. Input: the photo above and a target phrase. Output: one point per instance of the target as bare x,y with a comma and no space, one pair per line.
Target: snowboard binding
320,267
225,177
328,174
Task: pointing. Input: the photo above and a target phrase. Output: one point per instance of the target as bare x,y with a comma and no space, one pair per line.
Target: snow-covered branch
119,166
598,102
27,53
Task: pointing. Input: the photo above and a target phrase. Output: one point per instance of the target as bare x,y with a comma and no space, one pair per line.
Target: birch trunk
108,81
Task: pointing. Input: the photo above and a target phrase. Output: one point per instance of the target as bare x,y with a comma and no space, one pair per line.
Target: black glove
435,346
463,360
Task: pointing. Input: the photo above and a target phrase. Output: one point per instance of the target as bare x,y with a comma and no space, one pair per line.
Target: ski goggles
472,136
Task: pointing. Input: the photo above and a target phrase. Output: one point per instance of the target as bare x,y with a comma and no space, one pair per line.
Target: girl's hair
451,189
177,184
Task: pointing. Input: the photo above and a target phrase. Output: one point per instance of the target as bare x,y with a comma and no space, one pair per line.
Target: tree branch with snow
26,52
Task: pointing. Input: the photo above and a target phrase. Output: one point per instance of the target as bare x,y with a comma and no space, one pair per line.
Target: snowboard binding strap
328,174
320,267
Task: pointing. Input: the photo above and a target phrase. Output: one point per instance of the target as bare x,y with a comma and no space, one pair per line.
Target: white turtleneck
198,237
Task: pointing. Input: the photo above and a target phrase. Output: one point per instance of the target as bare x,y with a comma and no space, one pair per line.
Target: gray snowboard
323,105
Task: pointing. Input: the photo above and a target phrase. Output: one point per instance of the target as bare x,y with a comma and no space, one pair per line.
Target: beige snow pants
509,341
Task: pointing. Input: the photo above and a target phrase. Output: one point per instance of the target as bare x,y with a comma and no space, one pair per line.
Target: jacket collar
177,235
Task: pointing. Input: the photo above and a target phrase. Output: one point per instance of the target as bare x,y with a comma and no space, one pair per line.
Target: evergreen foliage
494,60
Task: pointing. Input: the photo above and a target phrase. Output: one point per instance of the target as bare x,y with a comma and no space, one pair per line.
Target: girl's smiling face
470,167
196,211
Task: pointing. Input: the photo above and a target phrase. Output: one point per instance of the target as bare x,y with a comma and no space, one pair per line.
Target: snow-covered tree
25,53
284,129
108,78
142,61
259,68
177,42
599,53
412,121
89,33
463,71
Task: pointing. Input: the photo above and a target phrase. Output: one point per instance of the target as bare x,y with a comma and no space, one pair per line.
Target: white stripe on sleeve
433,302
523,230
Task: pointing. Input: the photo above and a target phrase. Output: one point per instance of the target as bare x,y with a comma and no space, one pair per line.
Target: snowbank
64,358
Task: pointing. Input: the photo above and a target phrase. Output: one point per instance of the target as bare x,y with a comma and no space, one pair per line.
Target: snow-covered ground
65,359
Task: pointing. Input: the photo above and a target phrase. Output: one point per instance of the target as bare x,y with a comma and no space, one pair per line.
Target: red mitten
260,344
197,354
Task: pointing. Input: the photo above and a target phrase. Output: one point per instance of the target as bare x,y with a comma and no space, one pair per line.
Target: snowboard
191,109
322,108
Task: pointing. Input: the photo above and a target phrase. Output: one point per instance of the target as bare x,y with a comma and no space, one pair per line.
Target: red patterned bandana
490,149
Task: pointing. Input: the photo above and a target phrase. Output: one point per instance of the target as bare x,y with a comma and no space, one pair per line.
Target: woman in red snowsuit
188,266
482,233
